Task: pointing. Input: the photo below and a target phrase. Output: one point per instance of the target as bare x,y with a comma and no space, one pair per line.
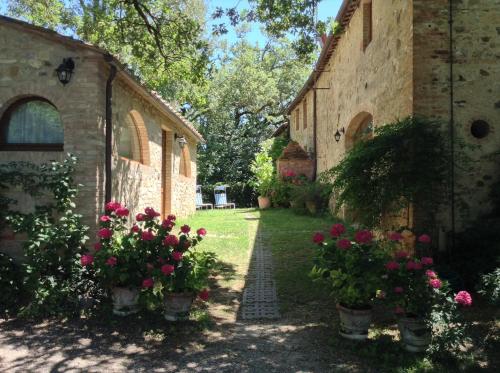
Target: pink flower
430,274
171,240
463,298
392,266
167,224
427,261
86,260
97,246
337,230
399,310
395,236
418,266
167,269
398,290
122,212
435,283
140,217
185,229
424,238
177,256
147,236
111,261
344,244
147,283
171,217
135,228
401,254
105,233
318,238
363,237
204,295
201,232
112,206
151,213
411,265
105,219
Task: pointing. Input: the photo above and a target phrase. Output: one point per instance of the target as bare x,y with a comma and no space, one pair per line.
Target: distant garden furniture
199,200
221,198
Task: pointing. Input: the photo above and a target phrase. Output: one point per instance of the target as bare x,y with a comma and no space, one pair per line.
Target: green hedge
242,194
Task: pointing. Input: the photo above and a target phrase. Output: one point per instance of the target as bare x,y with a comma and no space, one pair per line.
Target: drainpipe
452,129
109,130
315,140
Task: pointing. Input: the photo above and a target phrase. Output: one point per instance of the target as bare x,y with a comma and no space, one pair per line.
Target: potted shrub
352,266
263,170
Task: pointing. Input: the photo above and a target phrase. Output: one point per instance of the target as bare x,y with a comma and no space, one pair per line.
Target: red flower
167,224
363,237
185,229
151,213
418,266
135,228
167,269
395,236
86,260
105,233
177,256
171,217
171,240
435,283
112,206
427,261
398,290
344,244
337,230
147,283
201,232
97,246
147,236
140,217
402,254
111,261
105,219
392,266
463,298
411,265
122,212
318,238
425,238
204,295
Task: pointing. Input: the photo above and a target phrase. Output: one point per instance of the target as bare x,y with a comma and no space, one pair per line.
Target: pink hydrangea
112,206
140,217
185,229
147,283
201,232
167,269
151,213
401,254
177,256
171,240
435,283
337,230
105,233
97,246
463,298
147,235
395,236
318,238
392,266
363,237
111,261
122,212
427,261
86,260
424,238
204,295
105,219
343,244
430,274
398,289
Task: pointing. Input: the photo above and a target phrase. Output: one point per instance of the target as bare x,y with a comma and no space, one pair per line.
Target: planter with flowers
416,291
353,268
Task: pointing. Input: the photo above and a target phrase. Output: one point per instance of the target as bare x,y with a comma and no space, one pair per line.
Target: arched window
360,129
31,123
185,166
133,140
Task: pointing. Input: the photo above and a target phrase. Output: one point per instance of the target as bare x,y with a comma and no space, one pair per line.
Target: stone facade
403,69
28,58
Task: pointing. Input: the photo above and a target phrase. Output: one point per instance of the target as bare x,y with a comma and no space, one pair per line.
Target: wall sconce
181,140
337,134
65,70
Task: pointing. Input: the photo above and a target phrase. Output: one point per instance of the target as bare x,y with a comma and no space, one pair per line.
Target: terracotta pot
354,324
415,334
125,300
177,306
264,202
311,207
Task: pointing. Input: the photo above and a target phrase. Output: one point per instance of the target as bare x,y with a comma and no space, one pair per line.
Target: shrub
242,194
11,284
490,287
263,170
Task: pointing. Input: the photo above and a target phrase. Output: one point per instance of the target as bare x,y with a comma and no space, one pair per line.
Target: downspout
315,140
452,129
109,130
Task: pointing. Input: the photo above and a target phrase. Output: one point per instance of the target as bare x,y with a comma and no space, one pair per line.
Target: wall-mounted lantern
338,135
65,70
181,140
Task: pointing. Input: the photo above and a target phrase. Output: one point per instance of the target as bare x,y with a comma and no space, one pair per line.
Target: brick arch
142,136
360,128
185,162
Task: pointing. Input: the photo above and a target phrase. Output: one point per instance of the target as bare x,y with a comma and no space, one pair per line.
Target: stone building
394,58
132,146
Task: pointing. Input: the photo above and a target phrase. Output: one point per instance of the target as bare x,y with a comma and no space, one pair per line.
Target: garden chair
199,200
221,198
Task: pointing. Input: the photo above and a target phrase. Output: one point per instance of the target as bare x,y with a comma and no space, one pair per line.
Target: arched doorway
360,129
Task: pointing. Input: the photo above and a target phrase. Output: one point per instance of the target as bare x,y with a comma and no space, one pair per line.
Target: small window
367,24
304,113
480,129
297,119
32,124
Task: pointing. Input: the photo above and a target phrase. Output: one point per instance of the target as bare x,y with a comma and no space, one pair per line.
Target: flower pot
312,207
264,202
177,306
415,335
354,324
125,300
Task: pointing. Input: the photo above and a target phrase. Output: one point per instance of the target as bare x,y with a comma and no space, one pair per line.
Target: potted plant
263,170
352,266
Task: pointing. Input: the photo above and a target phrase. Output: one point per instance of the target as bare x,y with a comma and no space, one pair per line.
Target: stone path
260,300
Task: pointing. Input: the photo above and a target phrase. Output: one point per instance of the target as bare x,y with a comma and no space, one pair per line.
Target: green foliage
280,192
192,275
11,285
406,162
241,193
263,169
490,287
278,145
